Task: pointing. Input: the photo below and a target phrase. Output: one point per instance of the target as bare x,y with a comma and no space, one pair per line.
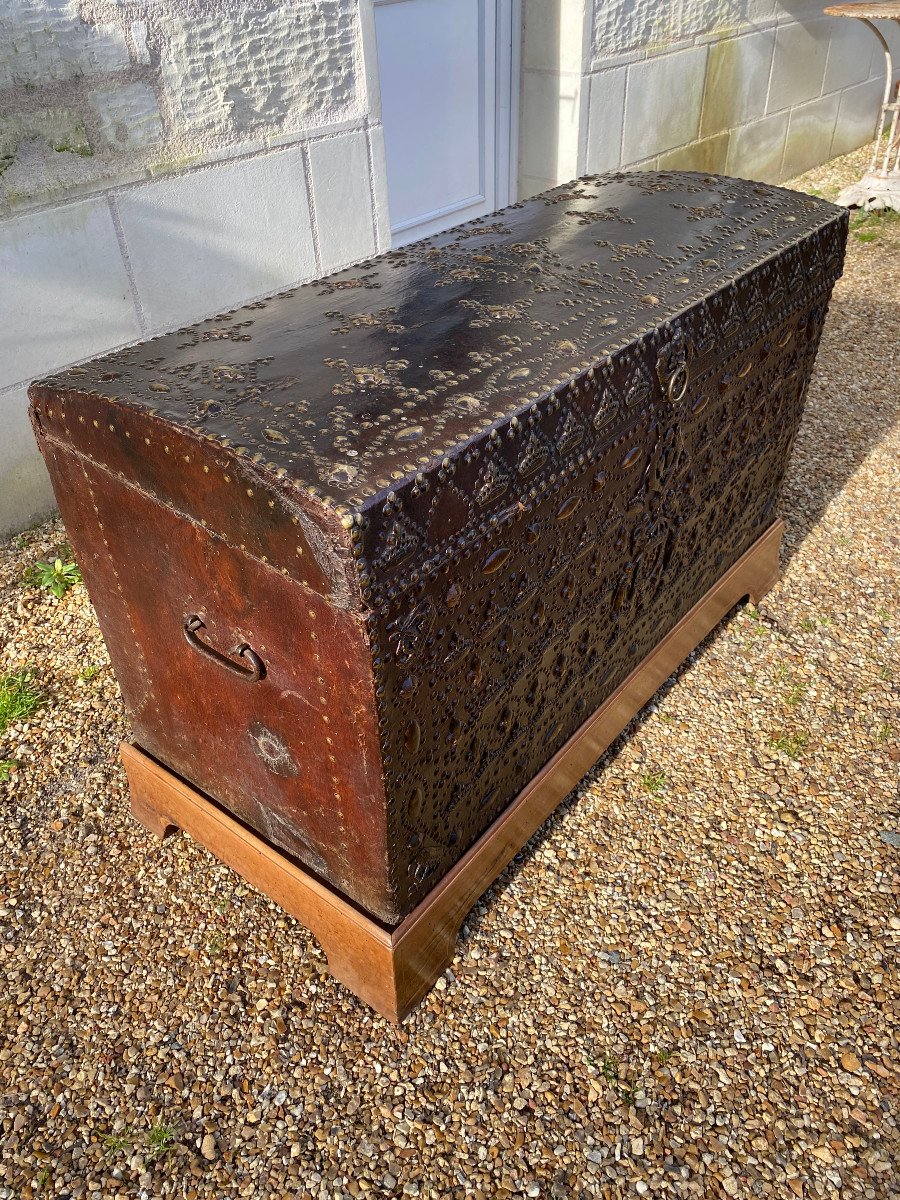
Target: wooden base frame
393,968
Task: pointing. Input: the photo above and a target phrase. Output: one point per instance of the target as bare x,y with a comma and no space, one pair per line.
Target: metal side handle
255,669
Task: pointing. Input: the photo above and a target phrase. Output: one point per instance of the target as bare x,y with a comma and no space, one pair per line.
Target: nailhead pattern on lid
356,382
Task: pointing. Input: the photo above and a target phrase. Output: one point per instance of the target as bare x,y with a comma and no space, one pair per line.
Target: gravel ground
684,985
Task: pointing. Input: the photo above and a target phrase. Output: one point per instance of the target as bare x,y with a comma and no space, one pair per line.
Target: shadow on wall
541,104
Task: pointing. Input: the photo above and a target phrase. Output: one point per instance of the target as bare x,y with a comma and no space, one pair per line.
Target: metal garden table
880,186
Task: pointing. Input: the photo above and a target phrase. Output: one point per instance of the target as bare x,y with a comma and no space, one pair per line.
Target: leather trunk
366,554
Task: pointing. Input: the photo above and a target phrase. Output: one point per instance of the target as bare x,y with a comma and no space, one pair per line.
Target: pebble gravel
686,985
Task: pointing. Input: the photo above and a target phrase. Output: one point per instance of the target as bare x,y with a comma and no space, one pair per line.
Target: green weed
791,744
57,577
216,945
19,698
869,226
795,695
653,782
160,1140
7,766
115,1143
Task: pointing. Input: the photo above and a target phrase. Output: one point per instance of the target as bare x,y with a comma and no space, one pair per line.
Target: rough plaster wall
652,25
103,92
164,159
285,67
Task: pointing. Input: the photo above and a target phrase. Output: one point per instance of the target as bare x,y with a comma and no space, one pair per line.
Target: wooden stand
393,968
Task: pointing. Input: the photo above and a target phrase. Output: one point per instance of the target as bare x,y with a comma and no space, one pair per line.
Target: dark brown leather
450,497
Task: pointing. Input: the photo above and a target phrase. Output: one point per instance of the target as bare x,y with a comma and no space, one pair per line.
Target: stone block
662,103
46,41
25,492
65,294
857,116
530,185
809,136
606,116
342,198
212,239
798,68
552,35
379,180
139,42
234,71
849,54
709,155
623,25
61,129
737,79
128,116
755,151
539,125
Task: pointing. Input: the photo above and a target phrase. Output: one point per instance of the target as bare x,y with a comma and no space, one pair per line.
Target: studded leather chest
368,553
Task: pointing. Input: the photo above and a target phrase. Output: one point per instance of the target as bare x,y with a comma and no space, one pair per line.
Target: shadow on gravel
852,405
479,910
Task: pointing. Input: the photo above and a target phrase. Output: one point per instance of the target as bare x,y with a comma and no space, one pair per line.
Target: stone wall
162,160
760,88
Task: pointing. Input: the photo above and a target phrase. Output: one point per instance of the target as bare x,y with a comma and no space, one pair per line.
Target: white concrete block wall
65,290
24,491
762,88
207,240
160,167
342,195
779,86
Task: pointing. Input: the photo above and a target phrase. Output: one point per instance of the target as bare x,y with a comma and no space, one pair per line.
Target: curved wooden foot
149,816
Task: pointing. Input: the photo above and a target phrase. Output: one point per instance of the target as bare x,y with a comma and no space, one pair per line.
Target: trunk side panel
296,754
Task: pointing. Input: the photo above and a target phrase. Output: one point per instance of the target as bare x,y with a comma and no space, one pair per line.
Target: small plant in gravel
117,1143
791,744
57,577
160,1140
86,674
795,695
883,733
653,782
7,766
216,945
611,1071
19,698
869,226
610,1068
758,627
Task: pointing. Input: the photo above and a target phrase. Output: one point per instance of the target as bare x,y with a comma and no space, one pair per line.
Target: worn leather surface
509,459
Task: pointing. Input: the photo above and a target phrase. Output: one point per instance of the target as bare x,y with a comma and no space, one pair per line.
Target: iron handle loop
254,671
678,383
